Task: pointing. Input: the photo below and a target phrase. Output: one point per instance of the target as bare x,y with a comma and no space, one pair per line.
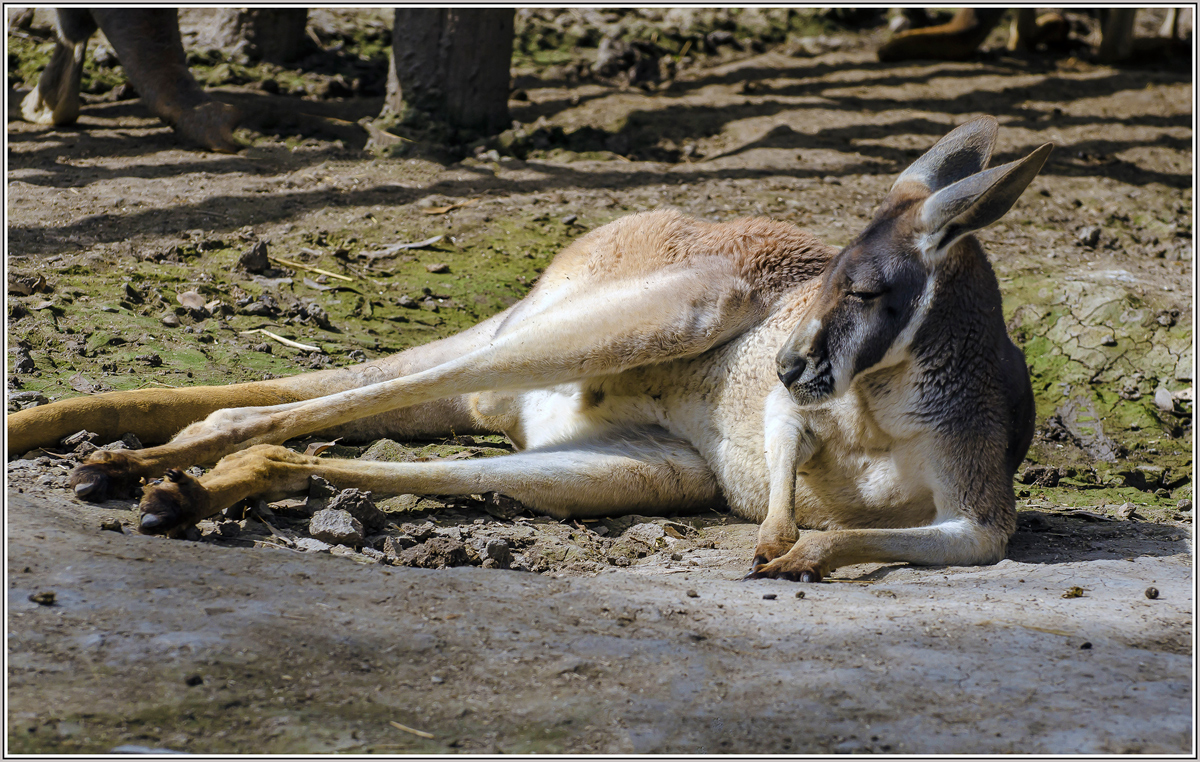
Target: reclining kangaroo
643,373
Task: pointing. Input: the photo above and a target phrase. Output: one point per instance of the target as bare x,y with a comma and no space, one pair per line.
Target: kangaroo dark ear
960,154
977,201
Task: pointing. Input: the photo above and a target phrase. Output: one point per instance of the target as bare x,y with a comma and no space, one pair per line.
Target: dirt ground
486,628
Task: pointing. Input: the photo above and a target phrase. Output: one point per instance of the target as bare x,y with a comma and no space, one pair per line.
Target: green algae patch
1099,350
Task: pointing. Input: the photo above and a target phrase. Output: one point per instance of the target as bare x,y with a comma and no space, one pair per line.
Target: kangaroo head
874,293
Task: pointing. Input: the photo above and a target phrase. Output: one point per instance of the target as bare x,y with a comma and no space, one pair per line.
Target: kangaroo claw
97,482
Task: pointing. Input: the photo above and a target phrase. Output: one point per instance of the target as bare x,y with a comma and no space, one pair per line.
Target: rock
407,302
1163,400
336,527
1089,236
24,361
570,219
498,554
438,267
312,545
649,534
436,553
370,552
170,321
255,260
359,505
1041,476
25,400
419,532
78,438
1128,511
1184,505
320,492
348,552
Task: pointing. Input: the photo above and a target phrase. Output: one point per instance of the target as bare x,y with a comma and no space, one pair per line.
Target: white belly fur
859,477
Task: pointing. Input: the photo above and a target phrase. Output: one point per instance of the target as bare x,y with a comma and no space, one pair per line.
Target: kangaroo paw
793,570
100,478
177,501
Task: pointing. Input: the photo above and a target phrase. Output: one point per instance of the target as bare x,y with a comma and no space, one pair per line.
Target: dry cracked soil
474,626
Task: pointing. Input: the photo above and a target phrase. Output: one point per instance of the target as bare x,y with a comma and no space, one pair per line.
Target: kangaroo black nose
790,371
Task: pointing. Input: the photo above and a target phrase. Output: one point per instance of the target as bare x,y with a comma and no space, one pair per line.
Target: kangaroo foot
176,501
766,551
105,475
796,565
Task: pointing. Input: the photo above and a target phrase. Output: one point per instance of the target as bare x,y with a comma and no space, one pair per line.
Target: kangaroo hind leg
642,469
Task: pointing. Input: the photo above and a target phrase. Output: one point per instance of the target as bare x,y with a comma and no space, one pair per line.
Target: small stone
312,545
1163,400
1184,505
1085,646
437,680
407,302
78,438
336,527
1127,511
676,556
1152,593
1089,236
170,321
497,551
693,594
45,598
359,505
255,260
768,596
419,532
370,552
438,268
799,593
193,680
1075,591
570,219
111,525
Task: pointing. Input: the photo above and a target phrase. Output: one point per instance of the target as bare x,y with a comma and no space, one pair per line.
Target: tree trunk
453,64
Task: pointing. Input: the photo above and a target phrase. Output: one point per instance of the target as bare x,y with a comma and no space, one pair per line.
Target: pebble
1089,236
359,505
799,593
570,219
45,598
498,552
312,545
438,267
337,527
693,594
111,525
1152,593
78,438
1163,400
768,596
170,321
1184,505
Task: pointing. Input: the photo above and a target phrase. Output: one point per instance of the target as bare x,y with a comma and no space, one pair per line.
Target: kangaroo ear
976,202
960,154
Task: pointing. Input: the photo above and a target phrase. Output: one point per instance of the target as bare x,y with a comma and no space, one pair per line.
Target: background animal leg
148,43
55,100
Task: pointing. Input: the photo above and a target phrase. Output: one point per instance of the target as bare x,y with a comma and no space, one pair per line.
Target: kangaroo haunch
662,364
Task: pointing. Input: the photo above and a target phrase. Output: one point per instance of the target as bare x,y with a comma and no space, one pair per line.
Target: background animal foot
177,500
211,125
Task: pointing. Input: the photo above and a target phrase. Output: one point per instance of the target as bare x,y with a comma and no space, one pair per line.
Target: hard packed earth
340,621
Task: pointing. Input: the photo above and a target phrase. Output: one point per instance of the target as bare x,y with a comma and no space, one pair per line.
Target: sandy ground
631,636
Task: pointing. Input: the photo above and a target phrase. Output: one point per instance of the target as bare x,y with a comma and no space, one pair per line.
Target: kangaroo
663,363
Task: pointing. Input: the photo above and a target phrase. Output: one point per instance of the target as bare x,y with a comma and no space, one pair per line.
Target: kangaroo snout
790,367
